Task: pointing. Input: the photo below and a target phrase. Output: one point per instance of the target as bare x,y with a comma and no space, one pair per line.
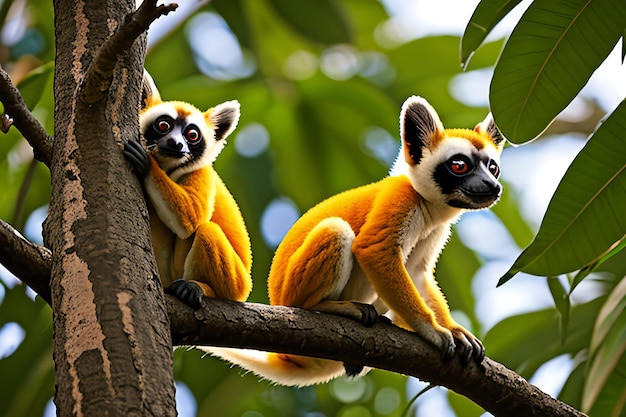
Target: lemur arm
395,223
181,206
228,216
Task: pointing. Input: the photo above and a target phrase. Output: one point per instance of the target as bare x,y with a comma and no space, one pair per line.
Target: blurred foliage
326,83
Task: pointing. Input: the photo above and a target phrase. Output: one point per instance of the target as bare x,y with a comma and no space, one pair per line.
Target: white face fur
182,138
431,158
422,174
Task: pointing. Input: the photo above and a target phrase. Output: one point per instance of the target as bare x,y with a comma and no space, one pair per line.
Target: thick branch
99,77
23,119
290,330
29,262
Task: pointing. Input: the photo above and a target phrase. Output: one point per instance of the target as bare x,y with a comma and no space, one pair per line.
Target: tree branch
99,76
292,330
29,262
16,112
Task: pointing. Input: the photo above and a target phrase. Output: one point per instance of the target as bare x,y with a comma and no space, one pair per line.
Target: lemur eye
163,124
459,165
494,169
192,134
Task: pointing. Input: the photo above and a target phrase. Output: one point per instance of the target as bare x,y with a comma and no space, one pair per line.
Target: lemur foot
188,292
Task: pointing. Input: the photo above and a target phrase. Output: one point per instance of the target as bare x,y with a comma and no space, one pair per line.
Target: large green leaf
606,372
486,16
585,218
549,57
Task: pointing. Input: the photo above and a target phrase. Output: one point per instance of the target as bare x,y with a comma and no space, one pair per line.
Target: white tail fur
282,369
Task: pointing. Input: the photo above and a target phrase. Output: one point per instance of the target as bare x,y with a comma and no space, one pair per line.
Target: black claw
352,369
188,292
138,157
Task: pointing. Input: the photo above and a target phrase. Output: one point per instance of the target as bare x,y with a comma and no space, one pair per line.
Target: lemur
372,250
200,240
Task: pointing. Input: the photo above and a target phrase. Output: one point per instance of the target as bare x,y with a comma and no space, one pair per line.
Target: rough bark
112,346
30,262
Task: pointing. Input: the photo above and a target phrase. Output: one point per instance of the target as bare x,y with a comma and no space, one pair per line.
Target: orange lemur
372,250
200,240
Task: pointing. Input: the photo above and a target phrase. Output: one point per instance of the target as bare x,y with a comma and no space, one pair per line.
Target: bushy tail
284,369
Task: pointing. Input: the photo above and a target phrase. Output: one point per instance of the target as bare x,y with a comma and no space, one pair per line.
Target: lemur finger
369,315
478,350
464,349
138,157
448,352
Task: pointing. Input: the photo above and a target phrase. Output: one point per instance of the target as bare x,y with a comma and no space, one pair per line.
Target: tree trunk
112,344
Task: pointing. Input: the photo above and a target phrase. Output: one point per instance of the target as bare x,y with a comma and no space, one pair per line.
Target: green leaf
526,341
606,372
323,23
623,45
548,59
486,16
584,220
562,304
33,85
463,406
572,390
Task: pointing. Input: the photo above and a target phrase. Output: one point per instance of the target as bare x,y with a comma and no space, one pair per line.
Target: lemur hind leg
213,269
318,271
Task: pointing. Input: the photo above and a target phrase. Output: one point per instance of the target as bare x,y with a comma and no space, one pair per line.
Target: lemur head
181,137
455,167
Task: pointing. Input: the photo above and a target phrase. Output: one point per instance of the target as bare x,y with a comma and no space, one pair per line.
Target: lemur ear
224,118
149,93
489,127
420,128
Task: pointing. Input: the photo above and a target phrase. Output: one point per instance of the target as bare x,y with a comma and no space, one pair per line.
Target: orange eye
192,134
458,167
494,169
163,124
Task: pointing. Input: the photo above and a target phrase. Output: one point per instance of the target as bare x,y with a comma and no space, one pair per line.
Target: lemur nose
175,145
493,186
